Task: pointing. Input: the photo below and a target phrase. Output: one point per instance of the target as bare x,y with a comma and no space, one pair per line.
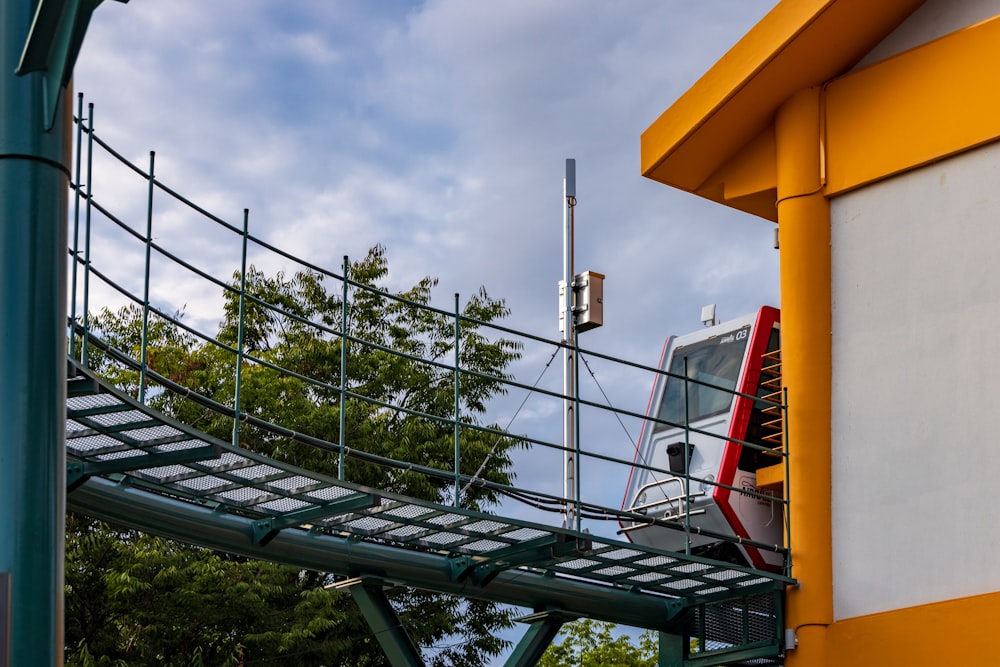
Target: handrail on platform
278,515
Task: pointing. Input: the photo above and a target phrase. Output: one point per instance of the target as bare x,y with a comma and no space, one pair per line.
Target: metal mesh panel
524,534
117,418
73,426
329,493
92,444
177,446
293,484
152,432
227,461
242,496
406,512
734,623
484,545
281,505
123,454
91,401
164,474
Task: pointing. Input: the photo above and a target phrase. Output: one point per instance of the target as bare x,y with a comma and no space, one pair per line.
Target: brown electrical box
589,292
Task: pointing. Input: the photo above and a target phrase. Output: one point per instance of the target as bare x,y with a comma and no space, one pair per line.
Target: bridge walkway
130,464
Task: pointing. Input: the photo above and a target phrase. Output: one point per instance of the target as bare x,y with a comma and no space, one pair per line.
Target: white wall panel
916,386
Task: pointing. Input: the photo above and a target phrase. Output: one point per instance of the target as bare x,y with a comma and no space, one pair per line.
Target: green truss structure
130,465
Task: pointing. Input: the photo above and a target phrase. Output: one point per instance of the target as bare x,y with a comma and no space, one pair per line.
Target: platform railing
97,279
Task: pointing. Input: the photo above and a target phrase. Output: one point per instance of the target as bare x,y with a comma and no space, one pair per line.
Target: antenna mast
567,324
581,308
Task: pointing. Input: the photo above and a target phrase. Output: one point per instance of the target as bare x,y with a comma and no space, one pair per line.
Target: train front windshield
716,361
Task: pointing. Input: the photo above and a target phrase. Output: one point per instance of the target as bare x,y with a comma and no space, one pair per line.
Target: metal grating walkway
112,437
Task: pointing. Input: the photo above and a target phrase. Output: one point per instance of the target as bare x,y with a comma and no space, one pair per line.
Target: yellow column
804,228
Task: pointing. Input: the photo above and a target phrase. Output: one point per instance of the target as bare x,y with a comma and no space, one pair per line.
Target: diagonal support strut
383,620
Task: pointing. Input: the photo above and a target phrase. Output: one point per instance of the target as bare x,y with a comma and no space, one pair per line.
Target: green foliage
135,599
589,643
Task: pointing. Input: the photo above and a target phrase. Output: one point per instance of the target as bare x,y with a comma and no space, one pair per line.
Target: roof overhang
714,140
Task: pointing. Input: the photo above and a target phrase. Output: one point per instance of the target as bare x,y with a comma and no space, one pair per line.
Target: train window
716,361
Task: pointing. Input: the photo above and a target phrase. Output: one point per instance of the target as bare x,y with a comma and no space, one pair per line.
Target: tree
143,600
590,643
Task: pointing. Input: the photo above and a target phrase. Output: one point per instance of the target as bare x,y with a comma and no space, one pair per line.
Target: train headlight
708,484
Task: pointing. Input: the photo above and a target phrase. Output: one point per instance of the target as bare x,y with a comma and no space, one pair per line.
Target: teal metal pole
145,282
34,187
343,375
239,331
687,461
458,405
85,338
76,224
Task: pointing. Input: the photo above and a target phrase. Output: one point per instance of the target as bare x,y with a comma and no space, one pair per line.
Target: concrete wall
916,376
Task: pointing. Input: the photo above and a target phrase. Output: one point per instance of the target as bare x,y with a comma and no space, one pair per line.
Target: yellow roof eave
798,44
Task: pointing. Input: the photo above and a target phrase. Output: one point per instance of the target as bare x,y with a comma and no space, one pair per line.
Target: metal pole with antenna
581,303
567,325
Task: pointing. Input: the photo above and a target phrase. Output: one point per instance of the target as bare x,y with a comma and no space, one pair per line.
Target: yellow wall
760,130
914,108
956,632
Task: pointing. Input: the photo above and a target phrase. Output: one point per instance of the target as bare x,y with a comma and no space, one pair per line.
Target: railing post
578,520
144,360
458,406
687,463
85,338
343,374
76,225
239,332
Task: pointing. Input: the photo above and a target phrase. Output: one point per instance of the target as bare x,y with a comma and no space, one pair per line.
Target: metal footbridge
108,443
132,466
129,463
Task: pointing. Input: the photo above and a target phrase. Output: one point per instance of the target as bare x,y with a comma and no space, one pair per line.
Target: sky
439,129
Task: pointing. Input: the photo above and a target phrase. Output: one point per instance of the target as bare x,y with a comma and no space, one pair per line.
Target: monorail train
742,355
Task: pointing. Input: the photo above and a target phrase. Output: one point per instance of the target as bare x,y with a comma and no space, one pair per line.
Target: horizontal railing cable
437,473
265,354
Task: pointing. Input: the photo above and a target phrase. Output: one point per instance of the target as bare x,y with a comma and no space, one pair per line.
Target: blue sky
438,129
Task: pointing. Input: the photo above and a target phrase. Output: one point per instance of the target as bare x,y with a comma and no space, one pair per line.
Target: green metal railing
115,280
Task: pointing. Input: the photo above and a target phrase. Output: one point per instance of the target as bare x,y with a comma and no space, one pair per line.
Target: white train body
704,491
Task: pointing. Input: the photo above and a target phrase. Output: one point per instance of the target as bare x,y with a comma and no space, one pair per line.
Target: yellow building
867,129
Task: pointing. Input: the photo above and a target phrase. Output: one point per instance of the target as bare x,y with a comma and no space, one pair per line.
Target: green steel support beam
102,499
79,385
34,187
39,40
543,628
263,531
673,648
78,472
537,553
382,618
52,46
